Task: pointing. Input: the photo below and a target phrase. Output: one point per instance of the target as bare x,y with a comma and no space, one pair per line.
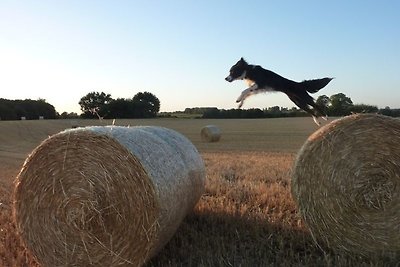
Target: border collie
261,80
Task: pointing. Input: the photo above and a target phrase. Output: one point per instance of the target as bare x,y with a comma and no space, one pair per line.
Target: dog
261,80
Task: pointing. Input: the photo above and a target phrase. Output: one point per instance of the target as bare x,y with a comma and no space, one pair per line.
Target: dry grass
247,216
12,252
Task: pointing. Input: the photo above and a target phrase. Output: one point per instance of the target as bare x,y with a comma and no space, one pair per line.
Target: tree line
147,105
335,105
93,105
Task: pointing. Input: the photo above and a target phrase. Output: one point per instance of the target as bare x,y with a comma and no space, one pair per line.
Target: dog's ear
243,61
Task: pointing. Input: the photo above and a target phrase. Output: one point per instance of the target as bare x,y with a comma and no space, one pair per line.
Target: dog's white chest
254,86
249,82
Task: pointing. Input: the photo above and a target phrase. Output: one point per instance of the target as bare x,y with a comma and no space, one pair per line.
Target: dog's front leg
246,93
242,97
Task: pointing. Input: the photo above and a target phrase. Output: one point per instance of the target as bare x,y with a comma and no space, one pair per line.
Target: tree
37,108
142,105
121,108
386,111
30,109
146,104
7,110
340,105
94,104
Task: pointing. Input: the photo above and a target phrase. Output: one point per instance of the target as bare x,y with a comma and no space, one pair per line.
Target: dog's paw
241,98
316,121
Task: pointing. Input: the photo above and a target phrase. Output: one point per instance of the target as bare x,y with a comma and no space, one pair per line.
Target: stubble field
246,217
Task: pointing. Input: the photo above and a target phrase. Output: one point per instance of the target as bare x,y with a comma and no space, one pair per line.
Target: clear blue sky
181,51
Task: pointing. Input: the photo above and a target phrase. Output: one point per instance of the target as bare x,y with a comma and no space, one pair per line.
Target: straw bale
106,196
346,182
210,133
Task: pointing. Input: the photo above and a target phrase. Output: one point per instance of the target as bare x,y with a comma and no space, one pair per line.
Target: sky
181,50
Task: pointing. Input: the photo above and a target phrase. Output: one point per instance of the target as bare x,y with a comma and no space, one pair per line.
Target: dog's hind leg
318,111
246,93
316,120
306,107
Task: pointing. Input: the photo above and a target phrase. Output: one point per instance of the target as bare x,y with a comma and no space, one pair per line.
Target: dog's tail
313,86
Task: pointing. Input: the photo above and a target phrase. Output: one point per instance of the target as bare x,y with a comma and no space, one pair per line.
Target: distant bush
66,115
30,109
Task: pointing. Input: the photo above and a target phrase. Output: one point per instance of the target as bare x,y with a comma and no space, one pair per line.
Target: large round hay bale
346,181
106,196
210,133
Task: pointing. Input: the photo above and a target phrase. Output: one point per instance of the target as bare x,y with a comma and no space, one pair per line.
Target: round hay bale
106,196
210,133
346,182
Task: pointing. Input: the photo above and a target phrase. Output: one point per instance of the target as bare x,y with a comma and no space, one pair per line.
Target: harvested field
247,216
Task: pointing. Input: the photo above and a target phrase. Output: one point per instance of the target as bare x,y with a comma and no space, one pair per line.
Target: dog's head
238,71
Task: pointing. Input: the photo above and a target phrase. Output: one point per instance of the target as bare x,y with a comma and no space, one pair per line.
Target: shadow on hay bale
106,196
346,182
210,133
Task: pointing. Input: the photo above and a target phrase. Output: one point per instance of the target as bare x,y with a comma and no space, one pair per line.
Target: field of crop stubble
246,217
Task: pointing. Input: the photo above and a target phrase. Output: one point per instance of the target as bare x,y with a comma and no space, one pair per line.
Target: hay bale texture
210,133
106,196
346,182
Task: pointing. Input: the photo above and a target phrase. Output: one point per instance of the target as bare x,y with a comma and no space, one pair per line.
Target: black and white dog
261,80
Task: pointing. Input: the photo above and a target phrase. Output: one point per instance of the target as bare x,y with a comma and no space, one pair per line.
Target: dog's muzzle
229,78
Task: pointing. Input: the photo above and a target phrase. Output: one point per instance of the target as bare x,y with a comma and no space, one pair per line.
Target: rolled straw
346,181
106,196
210,133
